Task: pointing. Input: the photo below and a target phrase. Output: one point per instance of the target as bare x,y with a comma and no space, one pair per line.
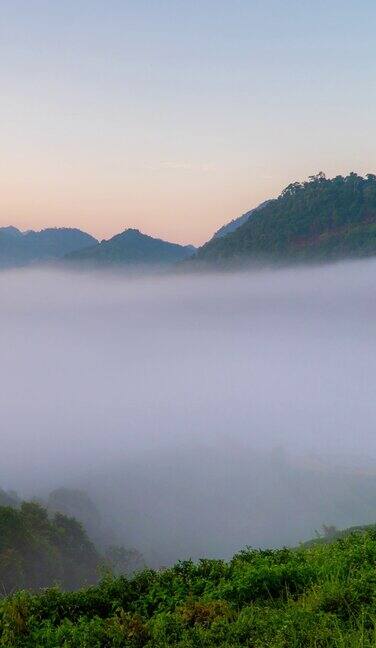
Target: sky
175,117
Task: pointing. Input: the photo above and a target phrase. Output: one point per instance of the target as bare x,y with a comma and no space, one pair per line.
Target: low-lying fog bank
203,412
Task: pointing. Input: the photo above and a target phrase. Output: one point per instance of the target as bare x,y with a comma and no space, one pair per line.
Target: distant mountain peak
23,248
134,230
131,232
237,222
131,247
10,230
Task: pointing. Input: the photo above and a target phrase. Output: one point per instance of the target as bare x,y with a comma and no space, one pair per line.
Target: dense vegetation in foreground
320,596
321,219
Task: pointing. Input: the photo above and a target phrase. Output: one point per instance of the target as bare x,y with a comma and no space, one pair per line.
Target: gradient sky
175,116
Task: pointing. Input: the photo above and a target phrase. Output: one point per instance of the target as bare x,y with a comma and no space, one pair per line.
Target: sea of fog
202,413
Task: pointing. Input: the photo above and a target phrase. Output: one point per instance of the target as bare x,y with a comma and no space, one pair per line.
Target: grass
317,596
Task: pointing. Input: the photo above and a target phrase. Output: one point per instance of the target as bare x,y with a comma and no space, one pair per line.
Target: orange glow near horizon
175,118
179,205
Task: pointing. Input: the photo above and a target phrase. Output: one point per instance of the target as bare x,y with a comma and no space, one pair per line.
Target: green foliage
36,551
123,561
76,504
320,219
9,498
321,596
331,533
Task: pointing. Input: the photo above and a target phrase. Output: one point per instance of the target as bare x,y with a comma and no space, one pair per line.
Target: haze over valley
187,324
200,412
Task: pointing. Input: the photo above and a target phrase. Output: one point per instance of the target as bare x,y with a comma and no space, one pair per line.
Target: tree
37,552
124,561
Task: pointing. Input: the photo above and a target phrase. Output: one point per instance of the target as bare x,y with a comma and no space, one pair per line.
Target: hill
23,248
317,597
9,498
58,541
332,534
37,551
237,222
131,248
318,220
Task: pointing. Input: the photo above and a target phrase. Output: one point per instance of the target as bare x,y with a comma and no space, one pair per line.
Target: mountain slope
131,248
22,248
37,550
321,219
237,222
320,596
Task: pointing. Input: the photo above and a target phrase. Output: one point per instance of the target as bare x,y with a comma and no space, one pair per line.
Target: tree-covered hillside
24,248
37,551
321,219
323,596
130,248
237,222
60,541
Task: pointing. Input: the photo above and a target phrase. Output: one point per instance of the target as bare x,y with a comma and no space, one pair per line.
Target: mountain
321,219
23,248
131,248
37,550
237,222
60,540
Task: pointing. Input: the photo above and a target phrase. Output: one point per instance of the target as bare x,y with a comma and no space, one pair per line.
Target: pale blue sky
175,116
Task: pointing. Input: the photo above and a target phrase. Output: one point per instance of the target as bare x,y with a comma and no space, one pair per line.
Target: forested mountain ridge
23,248
318,220
60,542
131,248
237,222
38,551
321,219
